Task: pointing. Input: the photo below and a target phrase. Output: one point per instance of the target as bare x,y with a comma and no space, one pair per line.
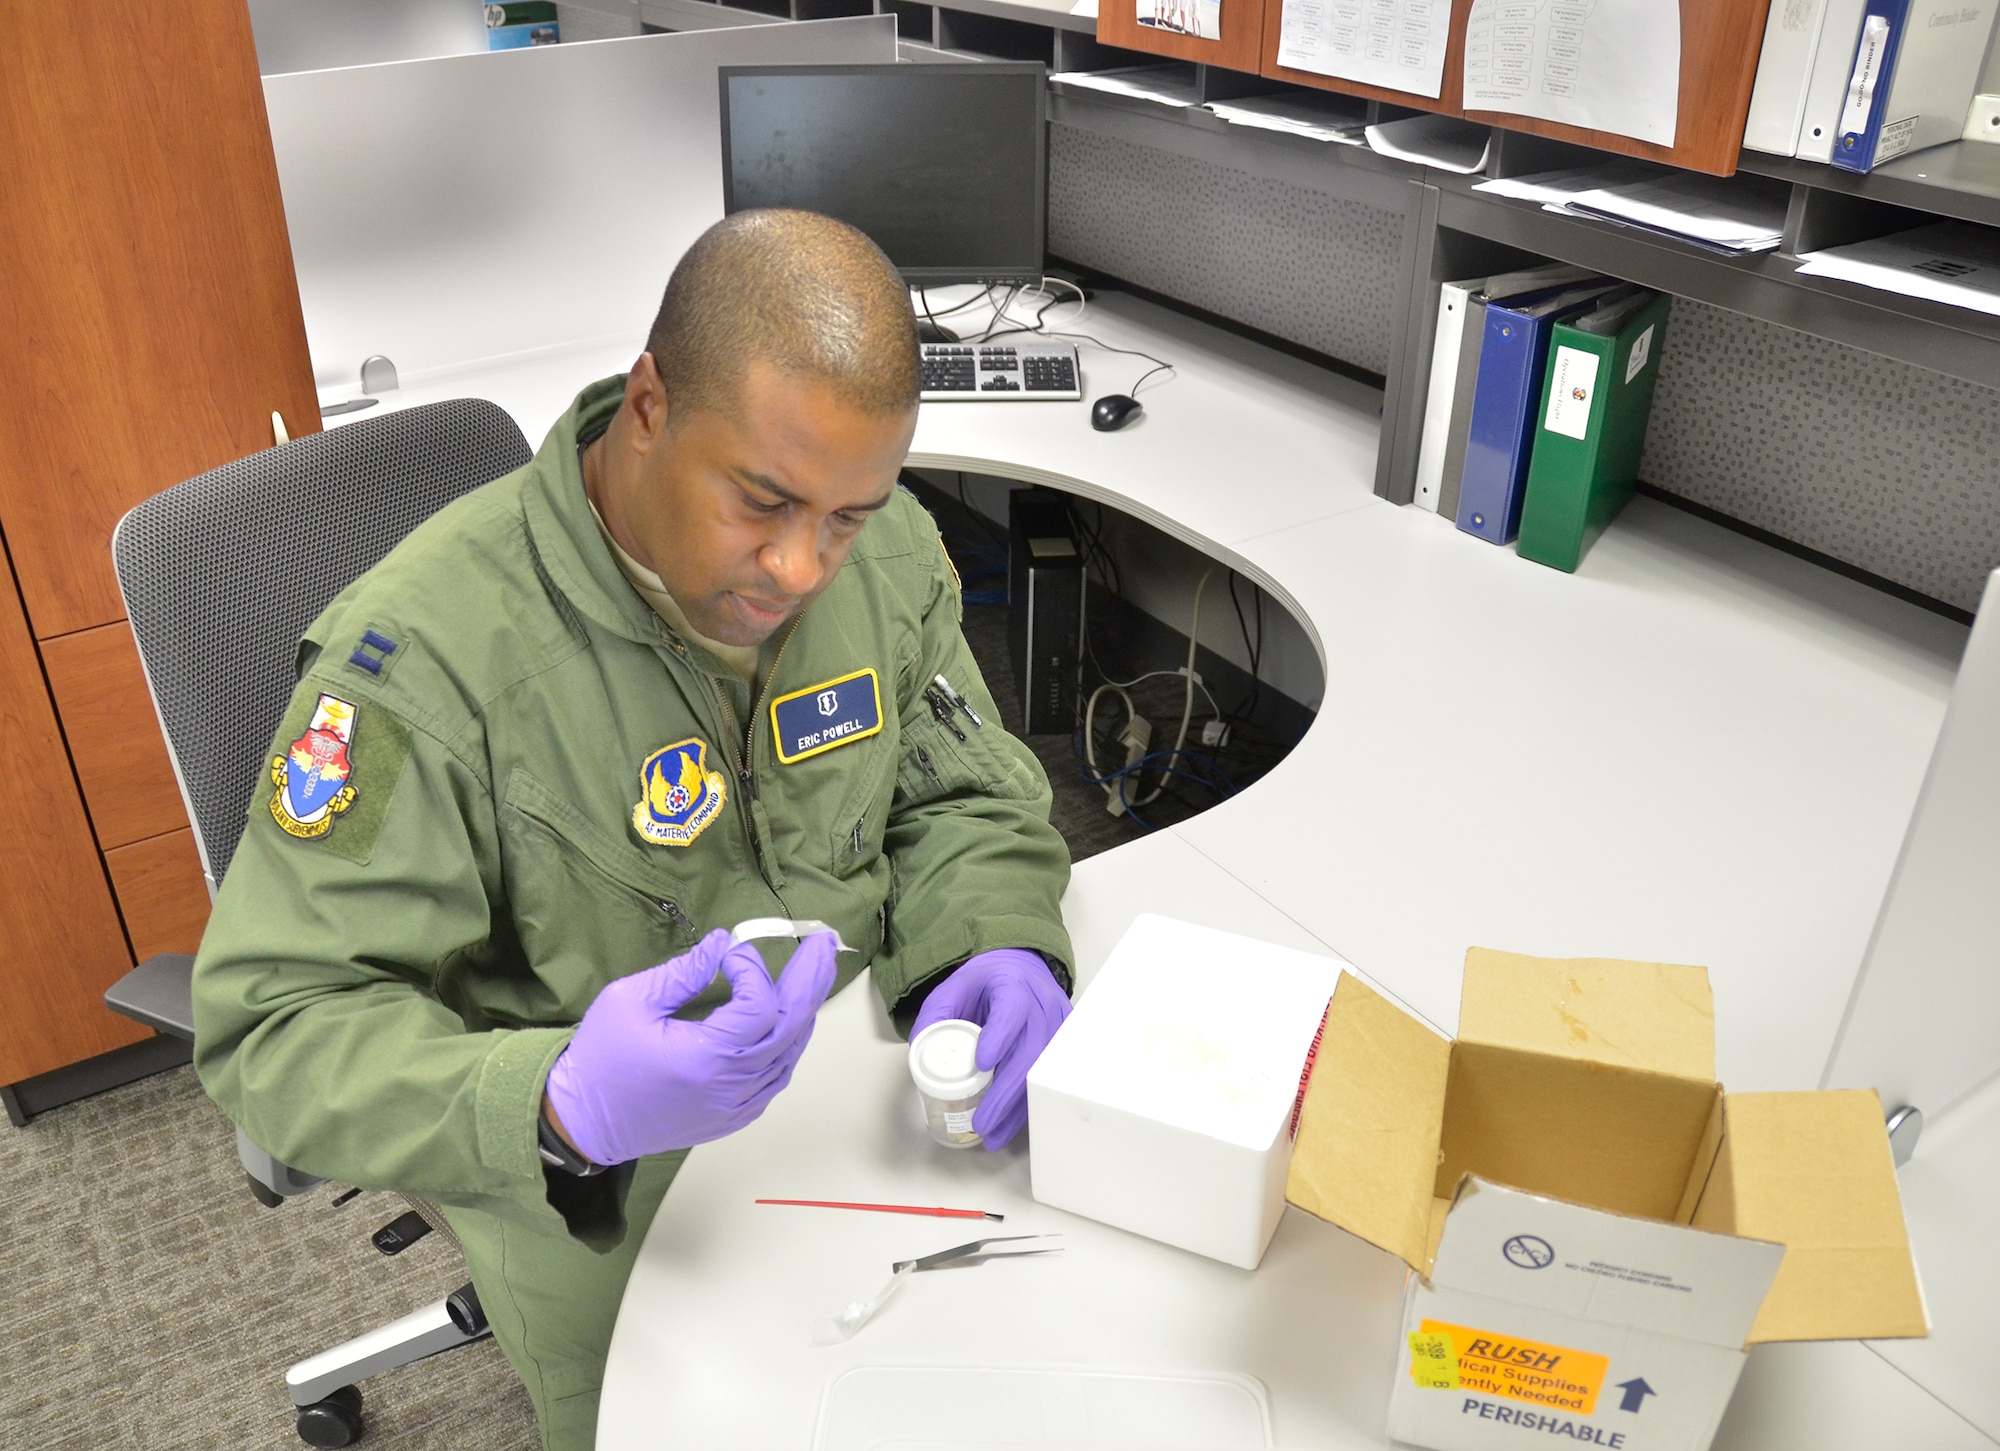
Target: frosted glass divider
471,207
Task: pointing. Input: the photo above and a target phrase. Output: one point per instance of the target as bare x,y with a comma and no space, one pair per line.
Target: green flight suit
445,863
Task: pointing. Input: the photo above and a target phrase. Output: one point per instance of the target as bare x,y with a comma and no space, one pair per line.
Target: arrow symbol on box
1636,1390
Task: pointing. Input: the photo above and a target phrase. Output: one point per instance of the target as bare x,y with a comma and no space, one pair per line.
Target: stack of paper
1732,215
1294,115
1168,85
1950,262
1444,142
1735,214
1557,189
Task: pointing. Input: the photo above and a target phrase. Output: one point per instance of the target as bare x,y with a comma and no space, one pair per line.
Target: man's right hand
635,1080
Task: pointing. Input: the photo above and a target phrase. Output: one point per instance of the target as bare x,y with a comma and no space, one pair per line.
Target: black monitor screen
941,164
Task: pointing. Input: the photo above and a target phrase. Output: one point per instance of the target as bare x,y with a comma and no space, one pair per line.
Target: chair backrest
223,574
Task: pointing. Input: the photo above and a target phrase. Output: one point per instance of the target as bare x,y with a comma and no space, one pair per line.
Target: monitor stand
930,332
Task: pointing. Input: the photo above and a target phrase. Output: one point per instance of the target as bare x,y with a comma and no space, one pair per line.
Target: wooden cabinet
1720,40
152,328
1242,22
64,944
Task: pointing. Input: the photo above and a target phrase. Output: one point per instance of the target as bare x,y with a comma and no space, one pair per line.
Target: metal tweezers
975,1254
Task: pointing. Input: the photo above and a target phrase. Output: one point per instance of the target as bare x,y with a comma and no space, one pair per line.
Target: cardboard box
1164,1105
1598,1230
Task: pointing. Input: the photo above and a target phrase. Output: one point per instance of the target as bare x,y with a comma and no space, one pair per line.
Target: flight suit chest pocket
938,763
585,911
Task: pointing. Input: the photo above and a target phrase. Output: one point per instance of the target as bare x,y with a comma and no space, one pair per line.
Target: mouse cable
1160,365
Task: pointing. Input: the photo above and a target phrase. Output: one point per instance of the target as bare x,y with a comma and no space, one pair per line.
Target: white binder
1826,90
1792,32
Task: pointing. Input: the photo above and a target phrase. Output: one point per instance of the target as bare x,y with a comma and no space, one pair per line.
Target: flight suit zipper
746,777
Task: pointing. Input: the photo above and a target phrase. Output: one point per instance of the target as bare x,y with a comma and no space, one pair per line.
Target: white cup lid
942,1060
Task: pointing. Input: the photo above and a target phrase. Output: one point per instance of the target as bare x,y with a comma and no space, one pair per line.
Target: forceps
975,1253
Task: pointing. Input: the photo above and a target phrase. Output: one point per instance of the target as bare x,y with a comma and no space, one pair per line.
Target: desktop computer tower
1045,585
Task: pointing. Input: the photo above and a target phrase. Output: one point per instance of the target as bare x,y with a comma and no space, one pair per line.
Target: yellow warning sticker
1506,1365
1433,1362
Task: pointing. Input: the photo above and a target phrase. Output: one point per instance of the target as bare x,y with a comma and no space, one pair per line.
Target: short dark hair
808,294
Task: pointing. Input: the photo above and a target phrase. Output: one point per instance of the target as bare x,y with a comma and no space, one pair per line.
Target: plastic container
948,1082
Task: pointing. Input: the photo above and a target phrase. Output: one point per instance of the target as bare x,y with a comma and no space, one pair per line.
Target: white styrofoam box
1164,1104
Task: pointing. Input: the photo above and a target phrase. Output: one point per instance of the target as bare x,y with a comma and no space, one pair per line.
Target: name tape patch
821,717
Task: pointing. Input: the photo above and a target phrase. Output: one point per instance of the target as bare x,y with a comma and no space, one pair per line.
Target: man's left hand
1018,1005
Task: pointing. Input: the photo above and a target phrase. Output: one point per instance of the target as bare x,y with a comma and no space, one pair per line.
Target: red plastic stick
889,1208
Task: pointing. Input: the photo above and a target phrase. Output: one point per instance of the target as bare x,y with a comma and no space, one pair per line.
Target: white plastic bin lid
942,1060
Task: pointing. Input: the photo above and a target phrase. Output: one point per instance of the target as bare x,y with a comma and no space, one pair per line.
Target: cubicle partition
458,212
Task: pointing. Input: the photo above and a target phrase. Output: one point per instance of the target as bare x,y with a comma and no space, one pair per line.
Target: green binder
1597,393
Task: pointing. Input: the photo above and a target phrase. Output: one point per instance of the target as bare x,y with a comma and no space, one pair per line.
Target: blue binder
1502,429
1869,81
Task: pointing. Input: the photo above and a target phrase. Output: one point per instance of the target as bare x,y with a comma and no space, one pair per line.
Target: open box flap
1532,1249
1813,1171
1366,1153
1647,1015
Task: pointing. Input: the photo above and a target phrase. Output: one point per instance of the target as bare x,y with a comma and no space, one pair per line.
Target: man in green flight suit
682,670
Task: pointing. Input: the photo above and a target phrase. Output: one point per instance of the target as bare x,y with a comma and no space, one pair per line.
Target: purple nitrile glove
1018,1005
635,1080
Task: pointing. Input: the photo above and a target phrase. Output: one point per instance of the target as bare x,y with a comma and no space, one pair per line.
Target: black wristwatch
559,1155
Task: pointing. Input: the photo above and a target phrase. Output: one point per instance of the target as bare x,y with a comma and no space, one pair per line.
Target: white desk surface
1696,749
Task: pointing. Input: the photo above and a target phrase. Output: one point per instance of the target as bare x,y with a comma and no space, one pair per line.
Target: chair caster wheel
335,1421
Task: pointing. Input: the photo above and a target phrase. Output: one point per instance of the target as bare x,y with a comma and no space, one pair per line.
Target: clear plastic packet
758,928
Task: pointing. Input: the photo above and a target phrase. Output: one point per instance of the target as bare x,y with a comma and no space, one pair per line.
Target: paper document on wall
1610,65
1199,18
1395,43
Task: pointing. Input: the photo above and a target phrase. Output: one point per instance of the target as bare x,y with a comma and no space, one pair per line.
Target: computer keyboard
987,372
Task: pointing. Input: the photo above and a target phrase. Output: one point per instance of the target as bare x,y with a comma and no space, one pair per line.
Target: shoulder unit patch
312,776
678,795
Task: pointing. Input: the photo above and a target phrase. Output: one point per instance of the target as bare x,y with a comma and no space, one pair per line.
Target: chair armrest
159,992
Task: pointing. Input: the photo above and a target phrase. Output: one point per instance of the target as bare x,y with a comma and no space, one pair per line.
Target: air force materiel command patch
820,717
311,776
678,796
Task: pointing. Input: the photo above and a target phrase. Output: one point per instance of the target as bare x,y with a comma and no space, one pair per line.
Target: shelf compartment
973,33
1954,341
1351,173
1960,179
913,22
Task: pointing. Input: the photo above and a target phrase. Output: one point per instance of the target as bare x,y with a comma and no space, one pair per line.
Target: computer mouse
1114,411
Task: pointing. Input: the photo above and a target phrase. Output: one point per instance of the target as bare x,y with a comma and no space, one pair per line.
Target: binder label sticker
1861,84
1895,139
1642,349
1570,389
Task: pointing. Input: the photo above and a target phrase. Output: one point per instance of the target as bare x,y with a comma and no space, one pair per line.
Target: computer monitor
943,165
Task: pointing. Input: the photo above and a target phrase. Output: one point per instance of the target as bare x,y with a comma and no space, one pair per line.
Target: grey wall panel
1883,465
1296,263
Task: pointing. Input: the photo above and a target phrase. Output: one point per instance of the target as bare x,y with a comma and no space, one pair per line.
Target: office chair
221,576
